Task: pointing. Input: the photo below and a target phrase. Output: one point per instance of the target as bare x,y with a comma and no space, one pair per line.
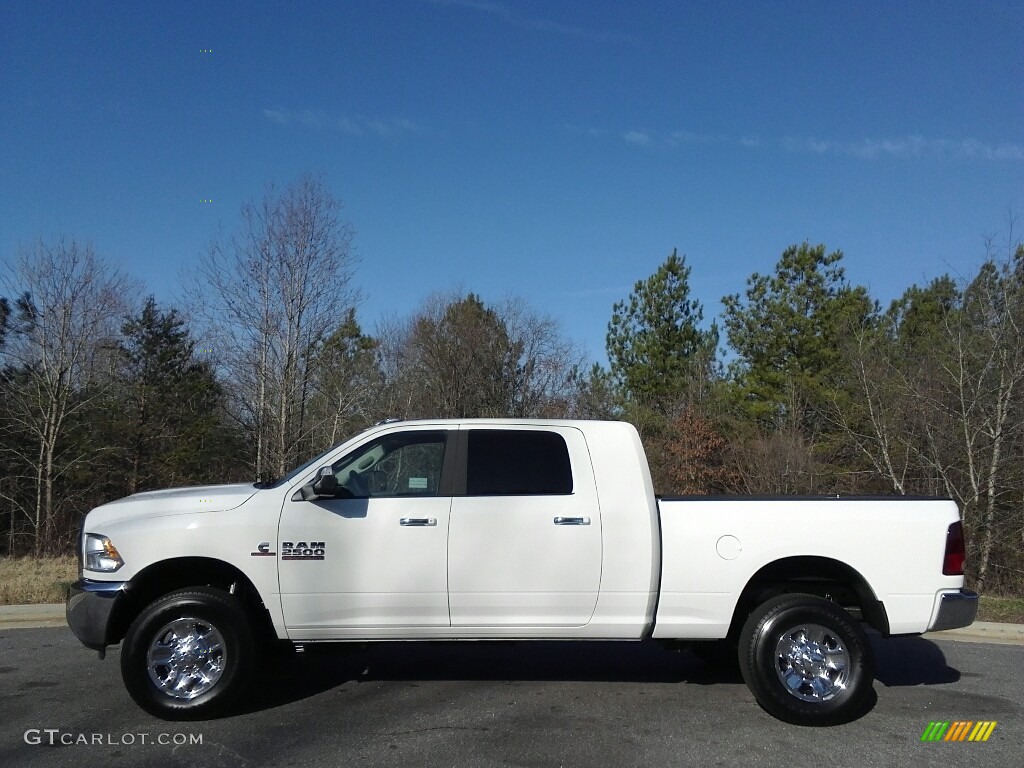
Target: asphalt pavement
504,704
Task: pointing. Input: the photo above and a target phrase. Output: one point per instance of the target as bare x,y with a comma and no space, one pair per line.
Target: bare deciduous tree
781,462
457,357
875,418
347,387
983,378
939,394
68,314
274,292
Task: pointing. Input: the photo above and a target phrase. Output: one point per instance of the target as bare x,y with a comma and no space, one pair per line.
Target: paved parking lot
507,704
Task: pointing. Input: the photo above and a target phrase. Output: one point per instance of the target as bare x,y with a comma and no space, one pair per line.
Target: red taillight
953,562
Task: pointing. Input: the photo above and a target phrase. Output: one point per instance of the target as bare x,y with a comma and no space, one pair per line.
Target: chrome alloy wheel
812,663
186,658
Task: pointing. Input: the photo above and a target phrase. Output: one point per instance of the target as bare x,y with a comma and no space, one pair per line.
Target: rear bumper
90,606
956,609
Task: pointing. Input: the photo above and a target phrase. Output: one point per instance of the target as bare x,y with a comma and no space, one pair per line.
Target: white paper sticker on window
418,483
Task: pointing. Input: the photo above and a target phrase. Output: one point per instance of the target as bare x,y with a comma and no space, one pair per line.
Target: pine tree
170,412
787,334
659,354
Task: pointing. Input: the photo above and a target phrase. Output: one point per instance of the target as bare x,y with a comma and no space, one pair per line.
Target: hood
173,501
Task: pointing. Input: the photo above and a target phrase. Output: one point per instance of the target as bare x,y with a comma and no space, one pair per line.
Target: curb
32,616
52,615
983,632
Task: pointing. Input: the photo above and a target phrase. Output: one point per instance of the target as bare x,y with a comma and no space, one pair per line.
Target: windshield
274,483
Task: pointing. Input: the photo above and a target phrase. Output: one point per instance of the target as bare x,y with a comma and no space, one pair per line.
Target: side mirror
326,484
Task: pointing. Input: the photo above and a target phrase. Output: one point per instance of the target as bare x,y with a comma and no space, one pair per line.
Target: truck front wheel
188,654
806,660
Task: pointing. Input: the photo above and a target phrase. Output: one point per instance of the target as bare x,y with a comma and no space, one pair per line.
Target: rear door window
517,463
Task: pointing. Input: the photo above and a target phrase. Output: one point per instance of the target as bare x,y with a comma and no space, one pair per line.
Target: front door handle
417,522
572,521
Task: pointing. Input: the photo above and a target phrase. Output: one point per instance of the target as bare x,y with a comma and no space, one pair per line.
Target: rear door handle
417,522
572,521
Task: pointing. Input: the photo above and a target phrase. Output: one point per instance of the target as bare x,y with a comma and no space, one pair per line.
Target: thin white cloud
353,126
387,128
476,5
510,16
647,138
866,149
906,146
591,293
309,119
591,131
689,137
1006,151
348,125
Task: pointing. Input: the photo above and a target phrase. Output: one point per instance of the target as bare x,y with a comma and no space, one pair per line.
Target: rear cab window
503,462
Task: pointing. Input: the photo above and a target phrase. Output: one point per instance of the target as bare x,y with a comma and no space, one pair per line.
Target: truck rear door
524,540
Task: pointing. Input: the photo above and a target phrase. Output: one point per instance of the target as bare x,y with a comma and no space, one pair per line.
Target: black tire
211,676
830,683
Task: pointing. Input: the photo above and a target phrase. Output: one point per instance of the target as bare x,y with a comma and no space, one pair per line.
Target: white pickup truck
508,529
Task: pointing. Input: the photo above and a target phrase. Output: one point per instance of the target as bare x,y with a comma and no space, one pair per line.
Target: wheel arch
166,576
822,576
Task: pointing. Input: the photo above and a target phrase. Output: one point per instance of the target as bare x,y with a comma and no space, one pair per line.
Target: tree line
804,385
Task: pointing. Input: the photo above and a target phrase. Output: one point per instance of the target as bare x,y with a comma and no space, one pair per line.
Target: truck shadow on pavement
322,668
899,662
911,660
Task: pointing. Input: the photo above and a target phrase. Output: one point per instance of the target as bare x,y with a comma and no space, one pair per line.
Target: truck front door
375,555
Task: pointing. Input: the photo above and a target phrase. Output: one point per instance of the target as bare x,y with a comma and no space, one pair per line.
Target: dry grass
25,580
1009,610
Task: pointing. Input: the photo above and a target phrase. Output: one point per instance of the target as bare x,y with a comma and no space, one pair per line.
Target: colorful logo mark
959,730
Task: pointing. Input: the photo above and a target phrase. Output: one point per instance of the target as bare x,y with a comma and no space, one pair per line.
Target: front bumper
90,606
956,609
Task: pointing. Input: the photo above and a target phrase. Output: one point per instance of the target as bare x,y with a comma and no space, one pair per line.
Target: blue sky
556,151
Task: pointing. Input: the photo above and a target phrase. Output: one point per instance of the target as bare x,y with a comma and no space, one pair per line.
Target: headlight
101,554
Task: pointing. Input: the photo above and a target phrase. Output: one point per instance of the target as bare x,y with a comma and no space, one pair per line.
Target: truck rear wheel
187,655
806,660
